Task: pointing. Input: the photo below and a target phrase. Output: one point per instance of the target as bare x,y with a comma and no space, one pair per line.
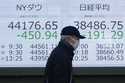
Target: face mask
75,45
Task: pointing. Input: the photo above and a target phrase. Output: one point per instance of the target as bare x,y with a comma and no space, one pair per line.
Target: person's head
71,35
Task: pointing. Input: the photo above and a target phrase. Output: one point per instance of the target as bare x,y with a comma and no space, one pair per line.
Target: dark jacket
59,65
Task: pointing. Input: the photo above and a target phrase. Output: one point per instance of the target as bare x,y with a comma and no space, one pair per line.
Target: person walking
59,64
